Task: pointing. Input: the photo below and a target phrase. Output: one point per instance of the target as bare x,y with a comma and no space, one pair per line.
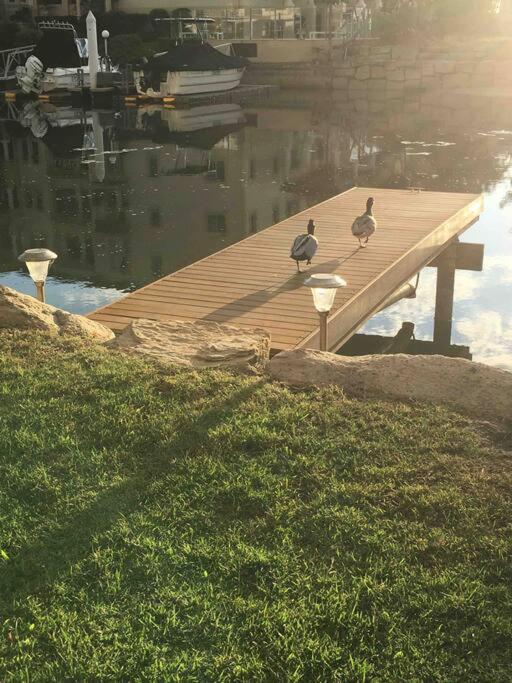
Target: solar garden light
323,287
38,261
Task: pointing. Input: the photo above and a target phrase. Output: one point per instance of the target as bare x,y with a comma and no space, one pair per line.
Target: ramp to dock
254,283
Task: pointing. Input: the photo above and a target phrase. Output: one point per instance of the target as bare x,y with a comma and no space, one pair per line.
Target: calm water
126,197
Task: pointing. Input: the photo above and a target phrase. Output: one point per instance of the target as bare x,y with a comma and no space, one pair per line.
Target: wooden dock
254,282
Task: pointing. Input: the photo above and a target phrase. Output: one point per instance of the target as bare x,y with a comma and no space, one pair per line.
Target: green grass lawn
161,525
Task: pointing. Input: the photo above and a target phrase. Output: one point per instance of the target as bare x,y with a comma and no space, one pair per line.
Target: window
216,222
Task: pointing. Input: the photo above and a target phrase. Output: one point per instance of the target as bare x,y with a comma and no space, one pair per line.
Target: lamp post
323,287
38,261
106,35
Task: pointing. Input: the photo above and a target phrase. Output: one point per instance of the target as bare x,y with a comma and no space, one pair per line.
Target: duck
304,246
365,225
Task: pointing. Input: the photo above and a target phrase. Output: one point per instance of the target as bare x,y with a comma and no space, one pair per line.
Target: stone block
405,52
378,72
363,73
427,68
382,50
396,75
395,86
412,74
466,67
477,80
444,67
452,81
358,85
340,83
377,84
431,82
486,67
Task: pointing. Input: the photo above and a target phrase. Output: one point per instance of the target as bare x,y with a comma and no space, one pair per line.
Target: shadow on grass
40,564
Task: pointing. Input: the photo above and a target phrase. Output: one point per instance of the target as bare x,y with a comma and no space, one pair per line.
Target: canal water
126,197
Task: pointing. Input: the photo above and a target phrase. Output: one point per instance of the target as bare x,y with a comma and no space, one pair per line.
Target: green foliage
170,525
127,49
16,34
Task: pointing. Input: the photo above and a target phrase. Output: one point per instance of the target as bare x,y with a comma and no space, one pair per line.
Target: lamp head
38,261
323,287
105,34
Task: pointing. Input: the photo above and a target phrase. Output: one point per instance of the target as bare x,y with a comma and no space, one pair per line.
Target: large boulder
478,389
23,312
198,344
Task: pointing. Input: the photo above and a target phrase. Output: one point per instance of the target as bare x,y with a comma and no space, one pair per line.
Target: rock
478,389
198,344
23,312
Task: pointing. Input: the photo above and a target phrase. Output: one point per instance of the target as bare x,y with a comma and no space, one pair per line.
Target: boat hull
192,82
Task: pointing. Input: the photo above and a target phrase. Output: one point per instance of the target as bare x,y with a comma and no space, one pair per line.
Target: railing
11,59
255,23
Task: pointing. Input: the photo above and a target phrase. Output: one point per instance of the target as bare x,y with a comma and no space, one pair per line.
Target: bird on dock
304,246
365,225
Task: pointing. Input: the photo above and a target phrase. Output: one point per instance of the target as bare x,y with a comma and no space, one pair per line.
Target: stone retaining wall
395,68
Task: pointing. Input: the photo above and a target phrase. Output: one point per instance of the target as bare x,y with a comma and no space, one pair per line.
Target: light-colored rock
478,389
23,312
198,344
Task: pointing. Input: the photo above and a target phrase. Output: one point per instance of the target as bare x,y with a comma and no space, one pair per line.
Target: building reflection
124,198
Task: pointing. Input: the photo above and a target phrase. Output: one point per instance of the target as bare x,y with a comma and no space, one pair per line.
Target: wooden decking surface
254,283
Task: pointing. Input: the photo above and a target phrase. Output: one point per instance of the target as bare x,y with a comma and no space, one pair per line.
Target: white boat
190,67
191,82
60,62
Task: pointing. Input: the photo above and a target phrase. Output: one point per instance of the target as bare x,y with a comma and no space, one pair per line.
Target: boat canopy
58,48
192,57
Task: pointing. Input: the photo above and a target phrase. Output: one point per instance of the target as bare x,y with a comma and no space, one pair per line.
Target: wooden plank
254,283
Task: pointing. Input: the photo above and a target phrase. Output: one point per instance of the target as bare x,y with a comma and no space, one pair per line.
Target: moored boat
60,61
191,66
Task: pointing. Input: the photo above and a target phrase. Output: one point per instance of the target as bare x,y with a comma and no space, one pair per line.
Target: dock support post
444,297
323,330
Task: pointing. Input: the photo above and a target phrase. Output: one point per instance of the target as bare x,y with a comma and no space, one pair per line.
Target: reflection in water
125,197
